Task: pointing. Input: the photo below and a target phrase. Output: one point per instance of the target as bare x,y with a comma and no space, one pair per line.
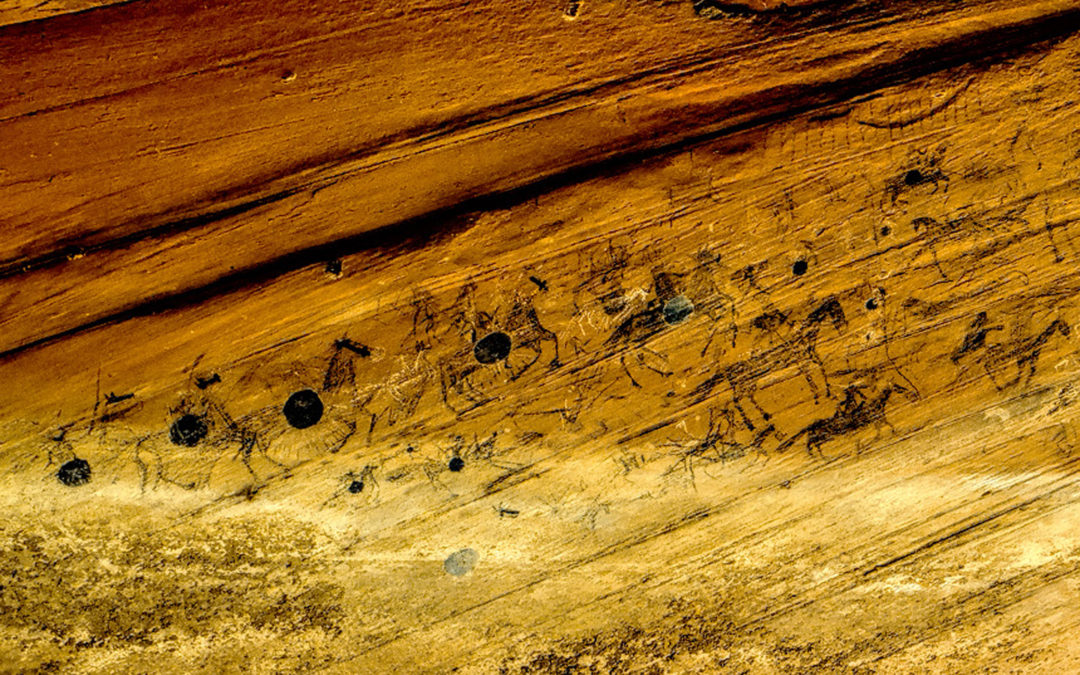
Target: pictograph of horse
491,348
854,412
674,299
1020,351
797,348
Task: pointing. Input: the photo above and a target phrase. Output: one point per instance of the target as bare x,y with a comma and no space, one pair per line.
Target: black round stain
885,230
913,177
303,409
188,430
74,473
492,347
356,487
871,304
799,268
456,464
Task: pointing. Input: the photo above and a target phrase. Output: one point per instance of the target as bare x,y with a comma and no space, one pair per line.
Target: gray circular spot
461,562
677,309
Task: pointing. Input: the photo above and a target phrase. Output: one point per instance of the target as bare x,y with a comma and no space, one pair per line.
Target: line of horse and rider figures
616,341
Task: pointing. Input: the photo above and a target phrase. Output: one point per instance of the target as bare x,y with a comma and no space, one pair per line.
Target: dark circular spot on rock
886,230
677,310
871,304
492,347
799,268
456,464
303,409
356,487
188,430
74,473
913,177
